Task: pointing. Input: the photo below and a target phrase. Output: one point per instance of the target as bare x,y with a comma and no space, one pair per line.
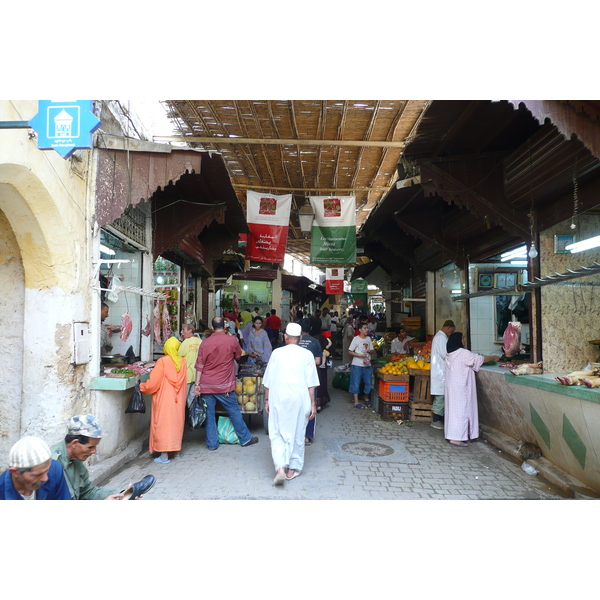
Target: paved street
356,455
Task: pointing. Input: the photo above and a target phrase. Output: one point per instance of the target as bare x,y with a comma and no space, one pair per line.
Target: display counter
564,421
115,383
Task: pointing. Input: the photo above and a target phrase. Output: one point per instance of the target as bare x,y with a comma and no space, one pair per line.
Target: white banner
334,274
267,209
334,211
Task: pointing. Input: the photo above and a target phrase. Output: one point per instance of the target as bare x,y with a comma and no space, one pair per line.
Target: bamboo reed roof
303,147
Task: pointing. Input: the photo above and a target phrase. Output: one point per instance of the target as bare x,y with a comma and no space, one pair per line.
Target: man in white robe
438,369
290,380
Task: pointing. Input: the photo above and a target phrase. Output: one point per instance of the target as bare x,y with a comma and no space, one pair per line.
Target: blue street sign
64,126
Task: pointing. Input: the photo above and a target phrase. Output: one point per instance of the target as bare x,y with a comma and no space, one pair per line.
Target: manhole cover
367,449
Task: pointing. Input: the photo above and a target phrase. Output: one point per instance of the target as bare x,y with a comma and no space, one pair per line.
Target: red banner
266,243
334,286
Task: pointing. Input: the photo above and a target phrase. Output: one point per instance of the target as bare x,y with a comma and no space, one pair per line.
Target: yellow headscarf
170,349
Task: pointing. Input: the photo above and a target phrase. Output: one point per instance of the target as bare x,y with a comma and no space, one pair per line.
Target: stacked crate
393,397
421,402
411,324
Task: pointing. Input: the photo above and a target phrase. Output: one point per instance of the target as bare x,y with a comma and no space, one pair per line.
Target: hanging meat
147,330
512,339
166,328
156,315
126,326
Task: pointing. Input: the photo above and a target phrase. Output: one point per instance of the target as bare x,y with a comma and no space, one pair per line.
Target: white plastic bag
528,468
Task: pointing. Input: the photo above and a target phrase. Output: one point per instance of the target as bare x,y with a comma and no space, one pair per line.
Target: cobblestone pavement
355,455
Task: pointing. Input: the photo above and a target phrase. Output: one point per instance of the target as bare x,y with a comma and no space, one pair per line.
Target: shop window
127,272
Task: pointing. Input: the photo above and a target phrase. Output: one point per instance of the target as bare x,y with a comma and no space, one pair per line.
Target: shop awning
303,289
196,215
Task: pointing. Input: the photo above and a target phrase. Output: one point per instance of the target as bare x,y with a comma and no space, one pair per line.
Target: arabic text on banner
268,218
333,236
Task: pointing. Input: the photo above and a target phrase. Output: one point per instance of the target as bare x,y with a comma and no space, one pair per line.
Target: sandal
358,406
369,404
459,444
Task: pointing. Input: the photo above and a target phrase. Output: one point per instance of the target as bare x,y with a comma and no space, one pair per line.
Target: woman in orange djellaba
167,384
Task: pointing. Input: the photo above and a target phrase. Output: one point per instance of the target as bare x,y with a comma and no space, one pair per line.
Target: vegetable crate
388,377
393,411
421,389
393,392
418,411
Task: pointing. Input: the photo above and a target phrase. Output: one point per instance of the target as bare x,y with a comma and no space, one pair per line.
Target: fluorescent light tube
584,245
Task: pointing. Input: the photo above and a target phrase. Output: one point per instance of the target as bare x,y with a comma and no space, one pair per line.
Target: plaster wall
570,308
445,308
44,253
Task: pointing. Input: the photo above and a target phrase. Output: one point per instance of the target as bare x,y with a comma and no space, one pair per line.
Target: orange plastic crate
393,392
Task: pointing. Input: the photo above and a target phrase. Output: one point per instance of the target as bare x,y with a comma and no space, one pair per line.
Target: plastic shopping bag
197,413
227,434
136,403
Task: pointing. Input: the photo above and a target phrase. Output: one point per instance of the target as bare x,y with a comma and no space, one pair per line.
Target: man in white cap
83,435
290,381
32,474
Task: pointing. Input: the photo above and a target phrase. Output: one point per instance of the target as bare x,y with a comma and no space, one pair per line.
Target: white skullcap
293,329
29,452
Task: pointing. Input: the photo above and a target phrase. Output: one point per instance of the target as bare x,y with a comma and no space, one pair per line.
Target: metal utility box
81,343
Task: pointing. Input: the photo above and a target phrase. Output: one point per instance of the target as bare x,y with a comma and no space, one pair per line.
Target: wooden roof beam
502,213
415,225
277,141
456,126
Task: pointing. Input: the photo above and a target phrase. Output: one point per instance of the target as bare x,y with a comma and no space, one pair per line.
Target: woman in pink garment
461,422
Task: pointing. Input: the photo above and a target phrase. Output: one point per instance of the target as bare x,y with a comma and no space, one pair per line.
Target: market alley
355,456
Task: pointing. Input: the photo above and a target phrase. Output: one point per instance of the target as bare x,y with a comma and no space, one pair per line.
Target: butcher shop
493,222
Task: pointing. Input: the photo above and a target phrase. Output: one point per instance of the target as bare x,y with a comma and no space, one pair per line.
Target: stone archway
12,306
44,253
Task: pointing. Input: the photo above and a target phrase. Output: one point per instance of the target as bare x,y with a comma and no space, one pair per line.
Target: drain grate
369,449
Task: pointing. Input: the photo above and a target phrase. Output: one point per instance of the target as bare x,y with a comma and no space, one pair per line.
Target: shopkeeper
401,344
106,331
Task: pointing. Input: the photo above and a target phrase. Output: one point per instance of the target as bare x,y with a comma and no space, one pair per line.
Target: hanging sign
334,281
359,293
65,126
333,235
268,218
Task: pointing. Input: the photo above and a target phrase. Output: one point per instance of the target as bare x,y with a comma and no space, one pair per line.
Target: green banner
333,245
359,286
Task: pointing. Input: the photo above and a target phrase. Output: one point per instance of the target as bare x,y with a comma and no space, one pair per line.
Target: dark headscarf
454,342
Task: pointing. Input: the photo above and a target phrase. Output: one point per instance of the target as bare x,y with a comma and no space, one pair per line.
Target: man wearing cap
32,474
83,435
289,402
438,371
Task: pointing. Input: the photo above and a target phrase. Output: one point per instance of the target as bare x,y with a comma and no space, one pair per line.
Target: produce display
401,366
249,393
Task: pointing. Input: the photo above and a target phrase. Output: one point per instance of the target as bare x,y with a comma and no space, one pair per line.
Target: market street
355,456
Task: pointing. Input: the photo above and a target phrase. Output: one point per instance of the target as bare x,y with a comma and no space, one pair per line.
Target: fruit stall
402,387
250,392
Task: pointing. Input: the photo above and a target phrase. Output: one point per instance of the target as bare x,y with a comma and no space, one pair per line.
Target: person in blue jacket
32,474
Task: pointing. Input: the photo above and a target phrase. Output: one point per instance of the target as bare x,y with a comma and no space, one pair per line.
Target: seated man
83,435
32,474
402,343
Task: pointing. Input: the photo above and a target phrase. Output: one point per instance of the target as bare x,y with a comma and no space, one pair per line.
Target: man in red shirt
215,380
274,323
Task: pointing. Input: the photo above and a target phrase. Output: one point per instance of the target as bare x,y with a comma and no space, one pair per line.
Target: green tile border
547,383
539,425
574,441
